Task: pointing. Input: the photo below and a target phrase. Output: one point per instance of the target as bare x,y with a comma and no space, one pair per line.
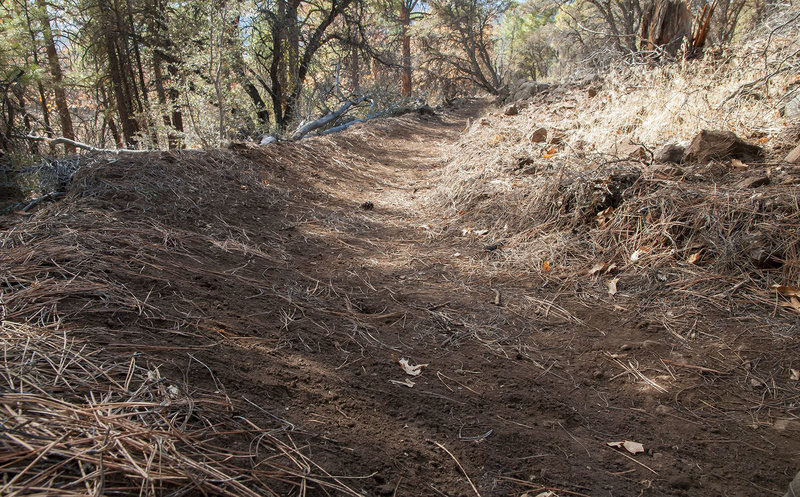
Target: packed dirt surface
297,277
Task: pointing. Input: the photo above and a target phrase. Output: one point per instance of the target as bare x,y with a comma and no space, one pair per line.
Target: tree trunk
405,72
168,97
275,76
355,70
665,24
119,85
58,78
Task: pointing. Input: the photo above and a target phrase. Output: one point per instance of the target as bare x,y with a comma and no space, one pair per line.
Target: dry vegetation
589,203
85,409
180,252
79,420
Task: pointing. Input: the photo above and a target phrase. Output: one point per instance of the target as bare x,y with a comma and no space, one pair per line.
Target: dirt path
524,395
318,281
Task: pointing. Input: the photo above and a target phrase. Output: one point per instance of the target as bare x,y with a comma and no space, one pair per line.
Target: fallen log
322,121
346,125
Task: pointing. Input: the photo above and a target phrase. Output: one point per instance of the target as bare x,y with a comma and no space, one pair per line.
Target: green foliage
528,31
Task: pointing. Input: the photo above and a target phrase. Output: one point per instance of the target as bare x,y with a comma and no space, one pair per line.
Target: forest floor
300,274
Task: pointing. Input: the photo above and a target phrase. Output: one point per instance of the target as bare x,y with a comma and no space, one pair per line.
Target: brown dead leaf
694,258
632,447
786,291
795,376
612,286
604,217
598,268
638,253
409,369
792,304
738,165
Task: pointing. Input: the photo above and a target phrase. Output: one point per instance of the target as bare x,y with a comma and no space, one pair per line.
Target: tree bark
405,25
665,24
318,123
58,78
119,85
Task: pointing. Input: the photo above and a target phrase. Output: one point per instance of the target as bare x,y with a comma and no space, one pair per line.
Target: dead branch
318,123
60,140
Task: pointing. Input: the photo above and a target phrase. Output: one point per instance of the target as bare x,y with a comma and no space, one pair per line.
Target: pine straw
80,421
694,233
131,244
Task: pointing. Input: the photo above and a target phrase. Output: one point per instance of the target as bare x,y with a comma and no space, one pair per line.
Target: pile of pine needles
78,420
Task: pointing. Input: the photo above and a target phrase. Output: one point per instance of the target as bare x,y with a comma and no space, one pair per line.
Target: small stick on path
459,466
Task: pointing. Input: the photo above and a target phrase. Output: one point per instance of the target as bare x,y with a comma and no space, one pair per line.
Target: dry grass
78,420
590,205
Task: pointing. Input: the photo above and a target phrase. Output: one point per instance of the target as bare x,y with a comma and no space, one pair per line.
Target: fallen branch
27,205
346,125
37,201
322,121
383,113
60,140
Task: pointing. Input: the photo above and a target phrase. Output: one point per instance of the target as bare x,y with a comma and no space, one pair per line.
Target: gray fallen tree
322,121
313,127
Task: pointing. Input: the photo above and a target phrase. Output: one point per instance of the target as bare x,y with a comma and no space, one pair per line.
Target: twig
648,468
459,466
60,140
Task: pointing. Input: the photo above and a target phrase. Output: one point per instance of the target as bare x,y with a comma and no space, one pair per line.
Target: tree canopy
200,73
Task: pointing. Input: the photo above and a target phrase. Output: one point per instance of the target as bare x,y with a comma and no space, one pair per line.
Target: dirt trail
524,395
334,269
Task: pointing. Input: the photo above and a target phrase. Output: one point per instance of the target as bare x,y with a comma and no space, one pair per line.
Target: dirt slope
299,274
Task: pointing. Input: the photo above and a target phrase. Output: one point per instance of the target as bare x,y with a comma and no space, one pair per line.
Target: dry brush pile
565,182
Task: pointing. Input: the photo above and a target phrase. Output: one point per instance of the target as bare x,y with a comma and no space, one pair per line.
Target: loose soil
301,273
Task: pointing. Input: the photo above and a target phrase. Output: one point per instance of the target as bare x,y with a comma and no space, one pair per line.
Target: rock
511,110
267,139
791,110
710,145
664,410
557,137
539,136
630,151
527,89
793,158
386,489
753,181
671,153
794,487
